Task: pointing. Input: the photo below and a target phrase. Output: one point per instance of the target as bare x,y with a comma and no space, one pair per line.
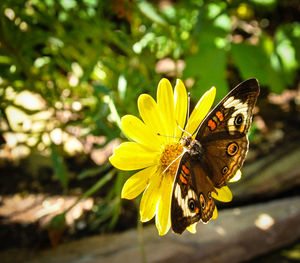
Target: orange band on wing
225,178
185,169
182,179
212,125
220,115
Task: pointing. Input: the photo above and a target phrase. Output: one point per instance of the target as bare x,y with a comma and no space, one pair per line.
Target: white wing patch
183,202
230,102
240,108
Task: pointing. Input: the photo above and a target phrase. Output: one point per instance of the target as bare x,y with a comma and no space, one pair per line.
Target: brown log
237,235
269,176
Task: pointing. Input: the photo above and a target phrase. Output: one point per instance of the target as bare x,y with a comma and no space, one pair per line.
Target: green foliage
107,211
88,61
59,167
58,222
272,62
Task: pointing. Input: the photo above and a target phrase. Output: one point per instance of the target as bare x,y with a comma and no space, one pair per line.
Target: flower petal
223,194
133,156
215,214
163,217
181,104
200,111
237,177
151,116
137,182
165,102
150,198
192,228
135,129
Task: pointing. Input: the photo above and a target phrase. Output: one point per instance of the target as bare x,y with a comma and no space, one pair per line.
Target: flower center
170,153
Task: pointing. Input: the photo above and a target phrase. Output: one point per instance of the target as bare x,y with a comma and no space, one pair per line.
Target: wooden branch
274,174
237,235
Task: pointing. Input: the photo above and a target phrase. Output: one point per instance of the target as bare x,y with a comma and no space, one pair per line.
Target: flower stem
141,241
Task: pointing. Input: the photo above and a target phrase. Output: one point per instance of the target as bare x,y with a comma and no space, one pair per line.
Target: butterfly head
194,147
186,141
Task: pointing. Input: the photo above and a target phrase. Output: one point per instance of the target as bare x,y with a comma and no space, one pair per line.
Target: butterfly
215,155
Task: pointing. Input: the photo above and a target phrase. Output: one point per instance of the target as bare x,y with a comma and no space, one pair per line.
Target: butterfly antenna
188,109
184,131
170,136
187,117
179,156
187,114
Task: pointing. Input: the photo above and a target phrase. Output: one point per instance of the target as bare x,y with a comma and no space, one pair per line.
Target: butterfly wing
191,197
223,140
223,133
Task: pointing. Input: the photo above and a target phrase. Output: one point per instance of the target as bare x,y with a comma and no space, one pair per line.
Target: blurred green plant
84,63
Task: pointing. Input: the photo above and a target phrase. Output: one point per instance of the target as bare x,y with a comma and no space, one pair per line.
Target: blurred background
70,69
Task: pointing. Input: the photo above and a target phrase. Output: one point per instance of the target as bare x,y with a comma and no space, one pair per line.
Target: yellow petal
151,116
215,214
133,156
137,183
150,198
200,111
163,218
223,194
192,228
180,98
135,129
237,177
165,102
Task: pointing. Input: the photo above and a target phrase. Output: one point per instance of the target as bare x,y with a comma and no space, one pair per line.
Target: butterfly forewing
239,102
223,133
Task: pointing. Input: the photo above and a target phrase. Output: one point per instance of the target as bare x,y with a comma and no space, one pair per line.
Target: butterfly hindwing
191,198
225,158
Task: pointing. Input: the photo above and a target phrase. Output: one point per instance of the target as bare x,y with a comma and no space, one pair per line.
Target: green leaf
58,222
254,62
287,47
102,181
59,167
292,30
208,68
149,11
93,172
122,86
208,65
264,2
68,4
101,89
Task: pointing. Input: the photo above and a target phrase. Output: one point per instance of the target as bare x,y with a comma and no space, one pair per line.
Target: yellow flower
155,145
